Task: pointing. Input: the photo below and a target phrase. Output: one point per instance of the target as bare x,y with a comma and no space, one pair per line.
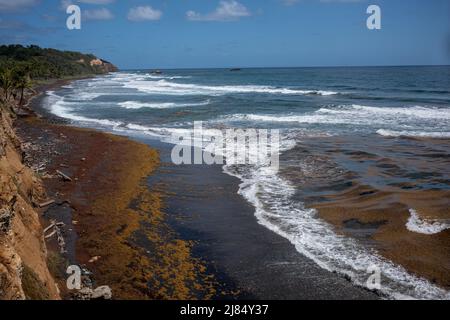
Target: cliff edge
24,273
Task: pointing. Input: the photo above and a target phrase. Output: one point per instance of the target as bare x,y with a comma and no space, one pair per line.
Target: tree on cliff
6,83
14,81
47,63
22,81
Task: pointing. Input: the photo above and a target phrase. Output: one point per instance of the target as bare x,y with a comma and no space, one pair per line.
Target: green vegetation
20,66
32,286
14,81
49,63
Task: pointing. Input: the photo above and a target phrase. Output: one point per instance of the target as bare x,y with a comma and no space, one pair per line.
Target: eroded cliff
24,273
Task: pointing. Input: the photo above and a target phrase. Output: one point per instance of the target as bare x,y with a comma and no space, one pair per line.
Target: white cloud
90,14
14,5
97,14
144,13
228,10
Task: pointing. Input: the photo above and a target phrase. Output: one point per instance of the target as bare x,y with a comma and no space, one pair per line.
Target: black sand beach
202,204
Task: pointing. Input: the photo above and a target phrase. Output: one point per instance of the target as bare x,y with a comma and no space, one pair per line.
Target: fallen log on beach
56,231
46,204
64,176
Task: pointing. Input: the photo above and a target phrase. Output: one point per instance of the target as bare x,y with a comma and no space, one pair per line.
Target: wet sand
203,205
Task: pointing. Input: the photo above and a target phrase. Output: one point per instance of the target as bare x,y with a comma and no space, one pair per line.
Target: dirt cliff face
23,268
103,66
109,67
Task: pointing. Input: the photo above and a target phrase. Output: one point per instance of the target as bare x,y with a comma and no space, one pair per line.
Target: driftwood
46,203
50,235
56,226
64,176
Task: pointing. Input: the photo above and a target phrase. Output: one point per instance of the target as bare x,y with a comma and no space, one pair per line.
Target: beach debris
100,293
103,292
46,203
56,226
94,259
83,159
64,176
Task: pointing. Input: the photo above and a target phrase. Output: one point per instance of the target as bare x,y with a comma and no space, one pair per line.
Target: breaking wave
414,121
162,105
413,134
62,109
171,88
417,224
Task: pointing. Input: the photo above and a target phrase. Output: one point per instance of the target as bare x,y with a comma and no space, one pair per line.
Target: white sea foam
272,195
171,88
401,117
422,112
62,109
87,96
163,132
152,76
418,134
425,226
162,105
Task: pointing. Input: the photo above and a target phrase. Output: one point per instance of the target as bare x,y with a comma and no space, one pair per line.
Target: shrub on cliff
14,81
6,83
51,63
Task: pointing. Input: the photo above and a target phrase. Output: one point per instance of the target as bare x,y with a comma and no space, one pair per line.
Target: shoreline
225,266
108,212
263,264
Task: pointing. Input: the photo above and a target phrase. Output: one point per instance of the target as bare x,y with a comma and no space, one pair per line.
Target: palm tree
23,83
6,82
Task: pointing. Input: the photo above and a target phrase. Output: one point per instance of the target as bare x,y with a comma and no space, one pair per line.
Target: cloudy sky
229,33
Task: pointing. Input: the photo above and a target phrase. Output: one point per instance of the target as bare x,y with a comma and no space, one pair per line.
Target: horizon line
286,67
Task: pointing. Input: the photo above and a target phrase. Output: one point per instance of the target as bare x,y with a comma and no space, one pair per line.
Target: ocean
369,129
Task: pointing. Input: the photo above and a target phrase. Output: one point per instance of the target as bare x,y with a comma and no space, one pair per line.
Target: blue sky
241,33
